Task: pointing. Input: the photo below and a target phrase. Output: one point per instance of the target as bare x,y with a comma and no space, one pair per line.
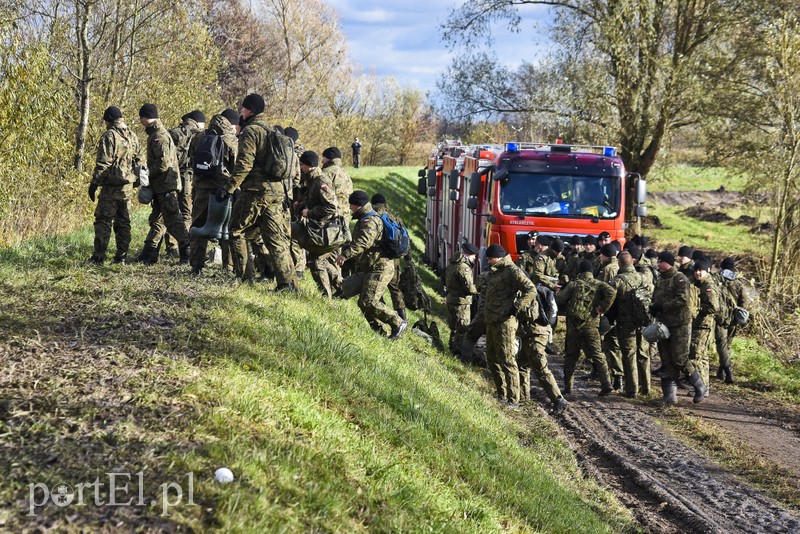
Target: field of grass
326,425
686,178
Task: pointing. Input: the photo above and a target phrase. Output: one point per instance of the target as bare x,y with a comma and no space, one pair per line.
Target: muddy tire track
669,486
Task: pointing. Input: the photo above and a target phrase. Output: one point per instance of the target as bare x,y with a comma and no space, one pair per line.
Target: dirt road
670,486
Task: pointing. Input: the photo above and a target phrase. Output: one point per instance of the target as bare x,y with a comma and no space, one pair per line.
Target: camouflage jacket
321,197
709,303
341,180
671,295
220,126
646,272
381,208
481,287
626,280
182,136
608,270
459,280
602,297
161,160
686,268
507,289
365,245
543,270
118,157
249,172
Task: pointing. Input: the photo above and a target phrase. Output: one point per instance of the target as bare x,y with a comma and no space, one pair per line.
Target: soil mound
704,213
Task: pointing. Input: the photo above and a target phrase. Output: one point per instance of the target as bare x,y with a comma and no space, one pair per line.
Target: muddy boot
699,387
185,255
670,390
559,405
148,256
728,375
617,383
466,350
720,373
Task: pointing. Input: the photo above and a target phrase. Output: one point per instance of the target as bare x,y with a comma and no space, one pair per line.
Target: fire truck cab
489,194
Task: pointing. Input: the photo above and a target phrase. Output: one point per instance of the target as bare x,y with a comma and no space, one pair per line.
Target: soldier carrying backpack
735,298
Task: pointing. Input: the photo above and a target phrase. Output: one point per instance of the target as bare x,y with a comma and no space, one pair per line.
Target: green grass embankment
326,426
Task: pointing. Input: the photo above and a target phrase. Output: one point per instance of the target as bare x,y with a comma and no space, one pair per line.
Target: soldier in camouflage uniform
378,202
221,186
508,291
182,135
607,269
116,171
298,191
585,300
684,261
332,166
540,266
627,281
590,252
724,333
671,307
459,282
574,257
263,201
477,326
645,350
365,249
165,180
320,204
703,324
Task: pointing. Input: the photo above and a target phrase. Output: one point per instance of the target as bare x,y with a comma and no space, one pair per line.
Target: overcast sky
401,38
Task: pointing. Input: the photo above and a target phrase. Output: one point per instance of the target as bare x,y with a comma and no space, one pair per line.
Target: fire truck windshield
544,195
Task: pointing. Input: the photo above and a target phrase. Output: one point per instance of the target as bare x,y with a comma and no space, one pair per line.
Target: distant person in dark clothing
356,146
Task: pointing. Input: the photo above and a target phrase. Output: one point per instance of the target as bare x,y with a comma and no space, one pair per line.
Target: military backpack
279,156
411,285
582,303
727,303
637,303
207,160
182,137
395,242
694,300
548,309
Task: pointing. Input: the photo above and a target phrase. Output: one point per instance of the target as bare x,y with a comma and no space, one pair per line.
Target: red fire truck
497,194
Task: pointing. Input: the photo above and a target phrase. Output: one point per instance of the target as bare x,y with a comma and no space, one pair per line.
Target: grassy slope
685,178
327,426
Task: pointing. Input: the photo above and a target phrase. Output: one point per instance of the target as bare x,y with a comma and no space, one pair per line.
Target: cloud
402,39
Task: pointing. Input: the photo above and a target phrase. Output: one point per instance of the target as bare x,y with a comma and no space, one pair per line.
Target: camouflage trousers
674,352
628,347
270,215
166,217
185,203
644,352
113,211
533,359
398,302
298,256
325,272
723,335
585,337
610,346
698,351
372,289
458,321
500,358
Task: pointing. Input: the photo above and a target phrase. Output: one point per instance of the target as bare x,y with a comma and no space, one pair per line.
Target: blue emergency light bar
512,147
607,151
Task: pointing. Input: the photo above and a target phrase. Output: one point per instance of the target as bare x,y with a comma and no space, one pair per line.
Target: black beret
608,250
197,115
291,133
469,248
590,240
697,254
148,111
112,113
557,245
545,240
703,264
667,257
576,240
644,241
585,266
603,235
617,245
635,252
728,263
254,103
636,240
358,198
232,115
496,251
310,158
332,153
651,253
533,234
685,251
377,198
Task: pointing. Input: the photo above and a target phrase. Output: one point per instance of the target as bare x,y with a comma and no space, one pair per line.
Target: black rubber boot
670,390
720,372
728,375
560,405
617,383
402,313
699,387
398,331
148,256
185,255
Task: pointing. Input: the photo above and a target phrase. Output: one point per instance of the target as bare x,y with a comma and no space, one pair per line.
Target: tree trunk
82,14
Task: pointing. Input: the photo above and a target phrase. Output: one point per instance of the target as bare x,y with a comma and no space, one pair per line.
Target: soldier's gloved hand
92,191
221,195
654,309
